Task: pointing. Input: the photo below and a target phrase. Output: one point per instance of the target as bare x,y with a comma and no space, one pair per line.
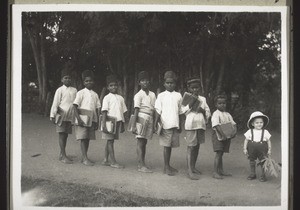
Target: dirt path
39,137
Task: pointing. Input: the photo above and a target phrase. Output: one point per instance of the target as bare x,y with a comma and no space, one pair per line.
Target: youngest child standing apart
257,144
220,144
87,100
63,104
113,106
195,126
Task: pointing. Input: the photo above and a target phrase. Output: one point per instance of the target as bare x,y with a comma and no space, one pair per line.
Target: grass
79,195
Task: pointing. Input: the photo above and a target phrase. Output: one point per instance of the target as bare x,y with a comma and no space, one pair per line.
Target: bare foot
116,165
217,176
196,171
87,162
173,169
66,160
169,172
105,163
192,176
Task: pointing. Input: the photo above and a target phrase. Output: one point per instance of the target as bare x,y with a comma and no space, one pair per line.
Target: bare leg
222,172
217,163
194,160
62,144
106,154
190,158
84,149
111,152
141,152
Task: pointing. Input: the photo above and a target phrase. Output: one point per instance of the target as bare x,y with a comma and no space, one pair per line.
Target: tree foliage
233,53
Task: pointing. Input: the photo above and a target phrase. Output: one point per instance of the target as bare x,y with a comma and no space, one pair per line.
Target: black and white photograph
149,106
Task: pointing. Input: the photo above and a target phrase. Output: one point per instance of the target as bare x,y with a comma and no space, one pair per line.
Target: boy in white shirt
113,105
169,111
62,105
86,101
220,142
257,144
144,102
195,126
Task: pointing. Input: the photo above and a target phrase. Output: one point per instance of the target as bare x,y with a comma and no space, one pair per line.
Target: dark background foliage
237,54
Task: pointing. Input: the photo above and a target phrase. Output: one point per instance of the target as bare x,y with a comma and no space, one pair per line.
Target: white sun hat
256,115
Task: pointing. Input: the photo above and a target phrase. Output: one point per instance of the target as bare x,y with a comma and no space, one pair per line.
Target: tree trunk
36,41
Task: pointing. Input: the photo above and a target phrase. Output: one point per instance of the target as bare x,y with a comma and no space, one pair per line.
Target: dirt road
40,159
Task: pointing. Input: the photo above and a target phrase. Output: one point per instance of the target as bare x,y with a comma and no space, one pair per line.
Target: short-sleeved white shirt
89,100
257,135
144,102
196,120
168,105
115,106
219,118
63,98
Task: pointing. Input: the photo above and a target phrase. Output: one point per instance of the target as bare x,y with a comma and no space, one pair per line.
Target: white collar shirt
168,106
63,98
115,106
89,100
219,118
145,102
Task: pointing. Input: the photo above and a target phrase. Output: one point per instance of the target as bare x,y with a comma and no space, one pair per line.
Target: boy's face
66,80
258,123
113,87
221,104
194,88
170,84
144,83
88,82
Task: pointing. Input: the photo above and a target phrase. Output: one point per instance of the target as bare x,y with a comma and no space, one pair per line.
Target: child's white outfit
145,102
168,106
115,106
63,100
89,100
195,123
219,118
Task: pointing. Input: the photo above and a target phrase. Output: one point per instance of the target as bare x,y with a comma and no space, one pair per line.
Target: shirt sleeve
248,134
215,120
157,105
137,101
78,99
105,104
267,135
55,104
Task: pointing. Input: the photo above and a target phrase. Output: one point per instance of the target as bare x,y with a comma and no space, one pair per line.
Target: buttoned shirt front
145,102
168,105
115,106
89,100
196,120
63,98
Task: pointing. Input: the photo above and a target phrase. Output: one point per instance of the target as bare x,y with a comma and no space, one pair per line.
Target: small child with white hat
257,144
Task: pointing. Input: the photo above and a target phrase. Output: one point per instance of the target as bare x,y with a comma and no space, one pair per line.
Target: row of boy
166,109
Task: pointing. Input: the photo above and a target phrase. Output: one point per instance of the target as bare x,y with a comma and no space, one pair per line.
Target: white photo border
16,74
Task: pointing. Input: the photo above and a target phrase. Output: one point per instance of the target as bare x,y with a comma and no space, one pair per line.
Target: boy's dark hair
87,73
111,78
65,72
221,96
